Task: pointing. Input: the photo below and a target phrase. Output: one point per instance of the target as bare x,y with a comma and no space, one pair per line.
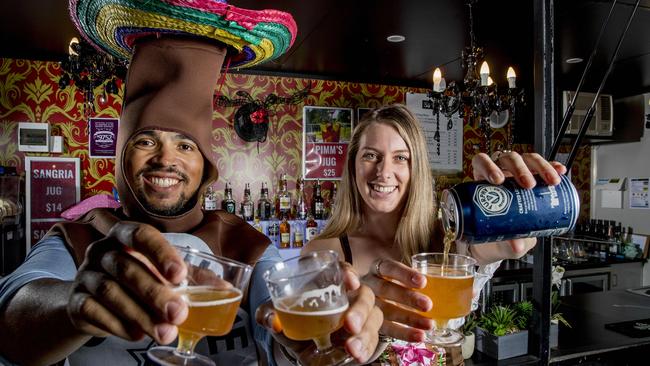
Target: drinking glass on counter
449,286
309,297
566,251
579,252
213,290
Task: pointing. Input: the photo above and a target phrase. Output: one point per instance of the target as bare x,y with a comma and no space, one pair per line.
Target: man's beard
174,210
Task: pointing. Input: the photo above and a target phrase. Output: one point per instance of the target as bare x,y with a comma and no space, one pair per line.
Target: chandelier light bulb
512,77
74,42
437,77
485,73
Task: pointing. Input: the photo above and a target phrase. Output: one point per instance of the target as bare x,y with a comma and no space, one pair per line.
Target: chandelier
477,97
88,70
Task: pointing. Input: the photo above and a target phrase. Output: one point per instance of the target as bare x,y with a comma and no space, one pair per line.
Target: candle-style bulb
437,76
485,72
512,77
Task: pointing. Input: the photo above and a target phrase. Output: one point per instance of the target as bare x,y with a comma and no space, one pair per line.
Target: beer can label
481,212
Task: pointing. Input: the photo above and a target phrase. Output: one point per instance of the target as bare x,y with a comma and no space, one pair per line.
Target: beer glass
449,286
212,290
309,299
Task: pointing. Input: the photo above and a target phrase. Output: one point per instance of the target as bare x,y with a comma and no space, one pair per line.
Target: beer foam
317,297
203,289
317,313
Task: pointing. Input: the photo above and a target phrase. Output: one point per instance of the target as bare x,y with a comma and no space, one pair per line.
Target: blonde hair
418,217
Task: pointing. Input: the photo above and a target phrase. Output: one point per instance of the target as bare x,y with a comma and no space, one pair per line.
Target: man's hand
361,321
122,287
522,168
393,284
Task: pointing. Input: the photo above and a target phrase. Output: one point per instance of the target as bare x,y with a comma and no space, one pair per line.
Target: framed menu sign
52,186
326,135
102,137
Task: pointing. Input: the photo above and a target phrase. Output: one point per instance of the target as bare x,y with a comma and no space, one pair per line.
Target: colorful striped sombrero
255,36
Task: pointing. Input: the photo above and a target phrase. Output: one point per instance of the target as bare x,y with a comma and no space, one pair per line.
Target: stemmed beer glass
213,291
309,298
449,286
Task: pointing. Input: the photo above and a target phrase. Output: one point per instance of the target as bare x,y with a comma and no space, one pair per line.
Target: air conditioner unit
602,123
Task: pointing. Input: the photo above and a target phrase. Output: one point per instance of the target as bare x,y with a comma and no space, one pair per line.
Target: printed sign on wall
326,134
102,137
52,186
444,135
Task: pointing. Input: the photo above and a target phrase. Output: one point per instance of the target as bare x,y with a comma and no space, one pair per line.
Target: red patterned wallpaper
29,92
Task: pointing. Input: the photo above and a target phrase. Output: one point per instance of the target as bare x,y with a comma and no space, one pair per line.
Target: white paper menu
450,156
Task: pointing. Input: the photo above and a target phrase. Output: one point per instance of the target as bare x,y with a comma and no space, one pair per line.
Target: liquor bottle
283,201
317,204
617,232
628,237
311,228
228,204
300,208
257,225
610,231
285,233
602,230
247,210
298,235
329,208
274,232
264,204
210,199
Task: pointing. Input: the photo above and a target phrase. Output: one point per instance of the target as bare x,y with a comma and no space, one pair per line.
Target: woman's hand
393,284
361,321
522,167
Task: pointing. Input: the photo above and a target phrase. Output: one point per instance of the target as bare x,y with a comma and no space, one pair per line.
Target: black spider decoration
252,117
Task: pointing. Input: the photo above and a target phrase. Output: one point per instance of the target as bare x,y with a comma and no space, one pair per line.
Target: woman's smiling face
383,169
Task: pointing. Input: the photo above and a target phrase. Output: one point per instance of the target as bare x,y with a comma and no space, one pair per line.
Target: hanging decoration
476,96
252,117
88,69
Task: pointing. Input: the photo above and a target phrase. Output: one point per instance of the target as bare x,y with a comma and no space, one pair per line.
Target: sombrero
252,36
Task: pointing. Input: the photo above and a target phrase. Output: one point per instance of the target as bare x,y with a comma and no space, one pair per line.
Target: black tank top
345,246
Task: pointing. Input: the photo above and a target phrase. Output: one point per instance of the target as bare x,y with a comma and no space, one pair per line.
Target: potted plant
557,273
468,331
498,334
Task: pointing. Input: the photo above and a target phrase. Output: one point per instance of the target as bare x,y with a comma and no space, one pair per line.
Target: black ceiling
346,40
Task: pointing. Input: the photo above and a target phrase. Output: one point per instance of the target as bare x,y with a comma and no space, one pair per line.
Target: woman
386,212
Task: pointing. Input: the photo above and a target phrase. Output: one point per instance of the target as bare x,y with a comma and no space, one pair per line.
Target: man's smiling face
164,169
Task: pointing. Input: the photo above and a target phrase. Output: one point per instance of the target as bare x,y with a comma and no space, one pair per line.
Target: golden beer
450,293
302,324
211,311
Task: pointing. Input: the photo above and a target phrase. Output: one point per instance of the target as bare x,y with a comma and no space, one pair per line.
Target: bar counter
588,338
589,313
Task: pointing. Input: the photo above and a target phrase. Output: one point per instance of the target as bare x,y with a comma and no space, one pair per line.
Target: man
97,291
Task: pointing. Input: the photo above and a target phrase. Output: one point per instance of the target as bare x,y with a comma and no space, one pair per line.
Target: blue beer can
481,212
